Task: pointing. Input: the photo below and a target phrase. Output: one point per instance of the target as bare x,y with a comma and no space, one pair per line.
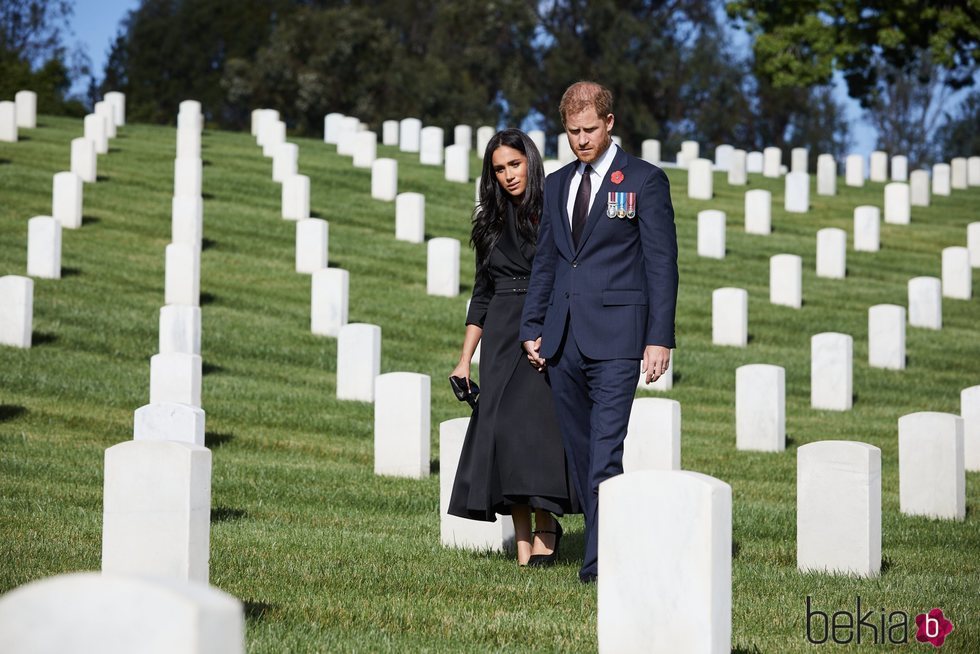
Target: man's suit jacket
619,286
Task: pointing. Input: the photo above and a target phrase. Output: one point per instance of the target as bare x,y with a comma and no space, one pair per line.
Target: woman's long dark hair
488,218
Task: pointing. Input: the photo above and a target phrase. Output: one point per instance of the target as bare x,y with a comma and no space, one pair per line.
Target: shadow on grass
43,338
790,441
226,514
103,178
112,150
211,369
213,439
256,610
434,467
91,220
748,649
10,412
208,244
67,271
207,298
4,162
886,565
206,162
736,548
207,196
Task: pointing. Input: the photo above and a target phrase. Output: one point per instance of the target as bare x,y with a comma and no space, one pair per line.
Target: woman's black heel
545,560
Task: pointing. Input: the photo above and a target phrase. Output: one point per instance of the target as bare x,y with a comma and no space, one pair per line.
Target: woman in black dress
512,460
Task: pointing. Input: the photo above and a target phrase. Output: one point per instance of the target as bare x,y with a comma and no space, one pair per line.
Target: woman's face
510,167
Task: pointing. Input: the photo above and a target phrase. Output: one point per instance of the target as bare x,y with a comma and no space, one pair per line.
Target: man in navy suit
602,294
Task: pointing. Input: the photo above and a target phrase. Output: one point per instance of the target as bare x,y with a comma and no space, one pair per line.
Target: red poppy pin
616,177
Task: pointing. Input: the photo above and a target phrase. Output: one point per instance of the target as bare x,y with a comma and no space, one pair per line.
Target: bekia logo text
879,627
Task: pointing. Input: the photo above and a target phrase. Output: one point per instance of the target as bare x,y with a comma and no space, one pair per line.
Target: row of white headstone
17,115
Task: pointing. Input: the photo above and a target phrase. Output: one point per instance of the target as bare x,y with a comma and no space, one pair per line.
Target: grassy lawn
327,556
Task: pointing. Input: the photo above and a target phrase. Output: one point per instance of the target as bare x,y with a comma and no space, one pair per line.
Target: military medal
621,205
631,205
611,204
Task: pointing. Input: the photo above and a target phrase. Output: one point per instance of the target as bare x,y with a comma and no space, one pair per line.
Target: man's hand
533,348
656,359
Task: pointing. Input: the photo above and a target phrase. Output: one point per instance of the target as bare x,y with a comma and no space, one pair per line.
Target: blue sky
96,21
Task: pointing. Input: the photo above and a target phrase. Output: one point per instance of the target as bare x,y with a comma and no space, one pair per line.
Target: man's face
588,134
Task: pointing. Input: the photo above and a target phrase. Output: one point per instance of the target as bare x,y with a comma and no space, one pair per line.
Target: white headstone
832,253
664,383
384,179
838,508
453,530
409,134
329,299
699,179
296,197
169,421
273,135
332,127
797,193
483,135
430,148
312,239
730,317
957,169
180,329
653,438
182,282
16,310
96,131
758,211
618,140
957,273
690,150
898,205
285,161
175,377
772,159
919,188
358,361
188,173
650,151
941,179
754,162
410,217
442,271
84,162
156,517
680,599
925,302
565,154
66,200
826,175
365,149
120,614
900,168
457,164
118,102
347,131
760,408
25,103
854,170
886,336
266,118
187,220
970,411
973,171
973,243
389,132
879,166
786,280
401,424
188,143
711,234
537,137
867,228
550,166
723,156
44,247
931,472
8,122
798,160
737,175
831,371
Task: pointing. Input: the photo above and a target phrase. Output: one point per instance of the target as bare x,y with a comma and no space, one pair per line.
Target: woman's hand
462,369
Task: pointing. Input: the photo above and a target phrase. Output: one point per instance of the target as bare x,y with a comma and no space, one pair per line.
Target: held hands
533,349
656,359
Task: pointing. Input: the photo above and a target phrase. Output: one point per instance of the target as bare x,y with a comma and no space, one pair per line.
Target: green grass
329,557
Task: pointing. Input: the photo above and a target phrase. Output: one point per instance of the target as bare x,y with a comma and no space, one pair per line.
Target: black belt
510,286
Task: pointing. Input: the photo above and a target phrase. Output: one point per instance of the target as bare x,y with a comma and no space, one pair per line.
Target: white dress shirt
599,169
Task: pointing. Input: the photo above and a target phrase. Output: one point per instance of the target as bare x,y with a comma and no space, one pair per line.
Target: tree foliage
959,136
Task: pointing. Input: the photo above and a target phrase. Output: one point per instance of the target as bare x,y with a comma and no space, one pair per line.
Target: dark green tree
959,135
